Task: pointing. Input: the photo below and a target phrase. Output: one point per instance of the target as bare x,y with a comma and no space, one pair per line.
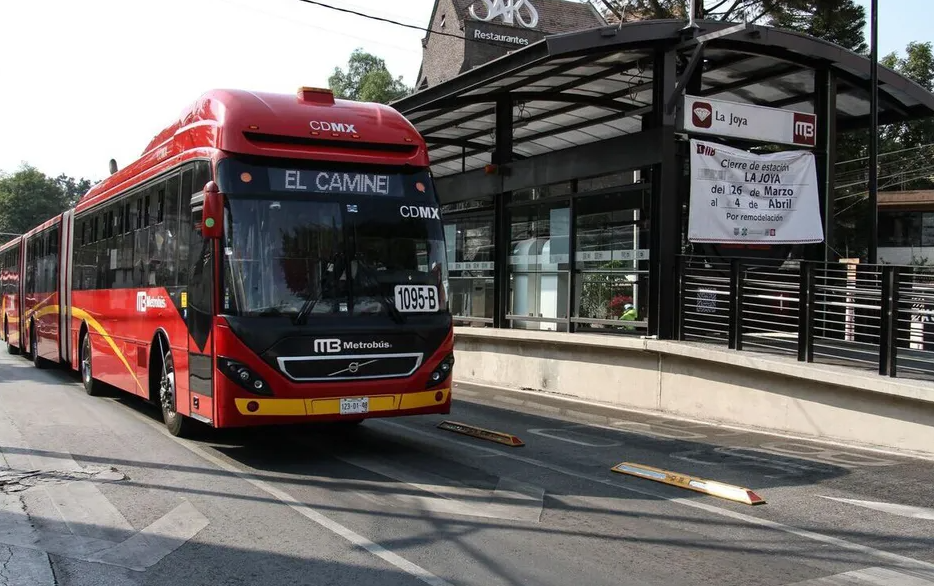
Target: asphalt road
94,492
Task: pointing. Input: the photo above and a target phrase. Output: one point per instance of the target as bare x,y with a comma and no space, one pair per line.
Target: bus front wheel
178,425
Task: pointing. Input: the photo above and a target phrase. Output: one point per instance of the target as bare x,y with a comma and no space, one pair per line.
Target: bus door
199,314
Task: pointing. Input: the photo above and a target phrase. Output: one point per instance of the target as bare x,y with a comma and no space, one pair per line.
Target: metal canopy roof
592,85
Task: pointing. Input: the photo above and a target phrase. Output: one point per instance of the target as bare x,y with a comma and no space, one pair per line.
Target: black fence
871,316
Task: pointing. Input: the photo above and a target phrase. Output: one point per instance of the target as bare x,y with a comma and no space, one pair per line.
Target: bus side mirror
212,216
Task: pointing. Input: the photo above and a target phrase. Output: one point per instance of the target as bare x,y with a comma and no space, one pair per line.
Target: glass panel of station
612,261
597,283
468,235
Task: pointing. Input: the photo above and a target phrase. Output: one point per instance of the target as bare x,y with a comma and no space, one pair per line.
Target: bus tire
178,425
37,360
10,348
86,367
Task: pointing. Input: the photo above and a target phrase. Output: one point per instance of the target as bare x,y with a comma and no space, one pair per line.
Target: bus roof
13,241
53,221
310,124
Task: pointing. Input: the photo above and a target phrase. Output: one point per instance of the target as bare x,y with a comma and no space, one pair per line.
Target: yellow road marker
473,431
711,487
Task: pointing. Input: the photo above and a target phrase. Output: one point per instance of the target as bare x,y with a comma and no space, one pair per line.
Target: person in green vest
629,314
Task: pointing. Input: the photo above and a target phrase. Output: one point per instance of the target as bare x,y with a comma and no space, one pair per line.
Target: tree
838,21
366,80
28,197
73,188
918,66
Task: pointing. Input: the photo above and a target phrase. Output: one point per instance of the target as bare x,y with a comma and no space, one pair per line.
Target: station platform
705,382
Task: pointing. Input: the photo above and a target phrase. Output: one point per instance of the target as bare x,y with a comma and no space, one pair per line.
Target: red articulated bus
11,265
269,259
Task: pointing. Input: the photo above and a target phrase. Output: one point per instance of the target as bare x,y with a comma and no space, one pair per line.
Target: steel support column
665,207
825,151
502,155
874,132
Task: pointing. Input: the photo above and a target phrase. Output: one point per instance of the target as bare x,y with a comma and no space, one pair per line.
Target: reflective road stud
711,487
494,436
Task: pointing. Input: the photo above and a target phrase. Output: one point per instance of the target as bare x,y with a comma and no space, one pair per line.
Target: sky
84,81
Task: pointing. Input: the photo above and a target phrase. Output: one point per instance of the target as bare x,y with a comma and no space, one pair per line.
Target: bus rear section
11,264
332,301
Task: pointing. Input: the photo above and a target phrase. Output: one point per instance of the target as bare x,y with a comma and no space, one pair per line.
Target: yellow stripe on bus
332,405
39,307
97,327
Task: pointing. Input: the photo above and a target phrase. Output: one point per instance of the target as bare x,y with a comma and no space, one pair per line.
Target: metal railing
870,316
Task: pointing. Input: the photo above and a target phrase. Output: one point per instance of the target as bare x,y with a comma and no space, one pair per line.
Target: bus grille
361,367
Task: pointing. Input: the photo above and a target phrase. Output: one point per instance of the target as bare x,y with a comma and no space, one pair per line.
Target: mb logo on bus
335,345
144,302
327,346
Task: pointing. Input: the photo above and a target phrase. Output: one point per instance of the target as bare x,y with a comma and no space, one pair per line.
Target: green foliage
28,197
366,80
910,170
838,21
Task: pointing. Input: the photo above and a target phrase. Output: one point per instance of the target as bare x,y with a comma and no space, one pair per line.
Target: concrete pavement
93,491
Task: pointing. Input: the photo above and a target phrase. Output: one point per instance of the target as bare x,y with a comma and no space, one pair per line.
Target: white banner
737,196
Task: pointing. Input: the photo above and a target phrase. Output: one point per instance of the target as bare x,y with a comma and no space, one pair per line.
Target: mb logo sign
144,301
805,131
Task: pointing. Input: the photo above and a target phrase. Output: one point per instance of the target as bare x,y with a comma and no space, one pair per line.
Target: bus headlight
243,376
441,372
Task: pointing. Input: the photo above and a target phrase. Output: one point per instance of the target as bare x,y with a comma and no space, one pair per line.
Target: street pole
874,132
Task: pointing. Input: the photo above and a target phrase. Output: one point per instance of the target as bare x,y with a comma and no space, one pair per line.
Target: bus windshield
334,253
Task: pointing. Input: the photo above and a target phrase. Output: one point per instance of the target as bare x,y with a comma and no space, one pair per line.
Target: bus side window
53,260
171,225
184,226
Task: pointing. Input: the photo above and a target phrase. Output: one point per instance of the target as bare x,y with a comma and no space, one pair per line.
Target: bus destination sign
337,182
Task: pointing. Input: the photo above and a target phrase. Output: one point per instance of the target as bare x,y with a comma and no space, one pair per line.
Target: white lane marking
656,430
25,567
804,533
511,499
556,434
306,511
788,467
697,423
156,541
871,577
911,512
826,456
87,512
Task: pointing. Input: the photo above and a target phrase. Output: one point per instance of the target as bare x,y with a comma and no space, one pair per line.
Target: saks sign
723,118
511,12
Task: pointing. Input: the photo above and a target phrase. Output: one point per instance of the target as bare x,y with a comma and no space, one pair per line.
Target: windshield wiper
310,302
387,302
